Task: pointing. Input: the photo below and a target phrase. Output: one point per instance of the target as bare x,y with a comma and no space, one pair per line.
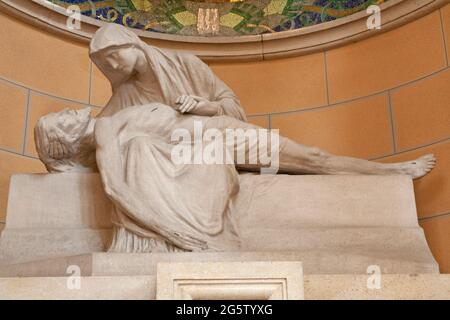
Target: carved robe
195,198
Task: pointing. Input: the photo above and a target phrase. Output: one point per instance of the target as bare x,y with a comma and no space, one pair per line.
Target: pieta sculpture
162,205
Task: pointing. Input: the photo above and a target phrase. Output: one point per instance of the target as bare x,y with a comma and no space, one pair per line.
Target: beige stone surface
12,163
317,261
92,288
326,201
418,105
337,224
320,201
62,201
128,264
13,116
262,121
100,88
266,280
432,191
359,128
437,231
43,61
17,245
268,86
328,287
393,287
391,59
445,14
54,222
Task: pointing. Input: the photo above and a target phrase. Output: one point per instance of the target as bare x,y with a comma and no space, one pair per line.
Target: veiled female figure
140,74
184,196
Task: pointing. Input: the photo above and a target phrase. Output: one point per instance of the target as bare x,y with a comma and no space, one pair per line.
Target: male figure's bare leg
300,159
296,158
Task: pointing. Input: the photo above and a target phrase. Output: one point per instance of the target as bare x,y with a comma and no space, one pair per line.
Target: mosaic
218,17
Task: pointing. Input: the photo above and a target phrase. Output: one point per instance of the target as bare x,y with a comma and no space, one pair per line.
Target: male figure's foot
419,167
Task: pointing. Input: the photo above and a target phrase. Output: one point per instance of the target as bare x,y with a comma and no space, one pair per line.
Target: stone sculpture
161,205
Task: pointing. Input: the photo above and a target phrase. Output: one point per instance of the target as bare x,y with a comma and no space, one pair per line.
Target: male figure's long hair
81,155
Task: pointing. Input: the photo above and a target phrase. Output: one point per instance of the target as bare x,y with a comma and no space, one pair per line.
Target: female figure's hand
196,105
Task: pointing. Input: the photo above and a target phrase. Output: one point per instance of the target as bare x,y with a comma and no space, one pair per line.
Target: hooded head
115,50
120,55
110,35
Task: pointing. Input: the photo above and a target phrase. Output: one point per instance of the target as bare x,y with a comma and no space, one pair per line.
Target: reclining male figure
73,140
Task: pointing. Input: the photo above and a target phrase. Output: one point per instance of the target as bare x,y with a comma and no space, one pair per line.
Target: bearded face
58,134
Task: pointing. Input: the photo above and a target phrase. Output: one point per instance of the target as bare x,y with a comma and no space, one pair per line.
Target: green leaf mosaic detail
231,18
124,6
251,15
166,12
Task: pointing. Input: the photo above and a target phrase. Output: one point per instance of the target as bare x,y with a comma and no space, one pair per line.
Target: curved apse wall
385,97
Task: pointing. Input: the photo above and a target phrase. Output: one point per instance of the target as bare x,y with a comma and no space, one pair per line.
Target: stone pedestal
325,287
333,224
268,280
337,227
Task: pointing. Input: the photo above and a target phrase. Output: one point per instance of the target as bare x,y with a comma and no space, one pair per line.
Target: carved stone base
267,280
327,287
334,224
140,264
